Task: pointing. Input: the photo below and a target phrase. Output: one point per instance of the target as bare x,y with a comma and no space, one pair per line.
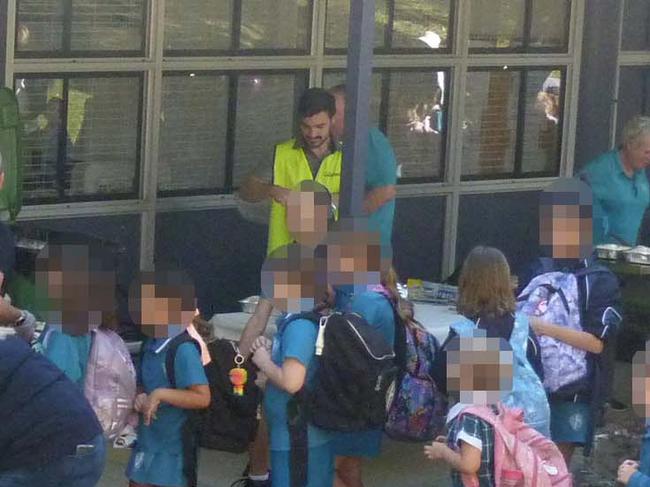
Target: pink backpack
110,384
523,457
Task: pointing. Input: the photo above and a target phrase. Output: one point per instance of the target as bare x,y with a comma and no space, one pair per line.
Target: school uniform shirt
158,455
378,312
477,433
69,353
295,340
619,201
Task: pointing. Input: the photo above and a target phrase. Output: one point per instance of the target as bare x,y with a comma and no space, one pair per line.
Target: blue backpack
527,390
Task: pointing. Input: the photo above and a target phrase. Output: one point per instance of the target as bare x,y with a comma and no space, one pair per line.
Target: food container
638,255
249,304
611,251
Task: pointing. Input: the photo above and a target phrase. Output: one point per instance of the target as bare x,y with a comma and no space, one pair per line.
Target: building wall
167,108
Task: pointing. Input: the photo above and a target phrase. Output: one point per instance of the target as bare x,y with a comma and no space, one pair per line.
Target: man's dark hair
316,100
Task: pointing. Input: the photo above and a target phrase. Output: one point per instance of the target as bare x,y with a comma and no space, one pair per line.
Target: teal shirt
619,201
381,170
297,340
69,353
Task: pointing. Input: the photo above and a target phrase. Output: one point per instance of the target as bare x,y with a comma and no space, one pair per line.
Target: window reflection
81,135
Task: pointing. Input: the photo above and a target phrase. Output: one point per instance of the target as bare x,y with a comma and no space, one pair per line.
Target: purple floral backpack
416,408
554,298
110,384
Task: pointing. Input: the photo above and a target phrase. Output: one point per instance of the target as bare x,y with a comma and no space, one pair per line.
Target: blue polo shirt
619,201
381,170
296,340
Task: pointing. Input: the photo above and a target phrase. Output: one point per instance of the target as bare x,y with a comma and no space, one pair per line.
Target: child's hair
169,282
389,280
485,287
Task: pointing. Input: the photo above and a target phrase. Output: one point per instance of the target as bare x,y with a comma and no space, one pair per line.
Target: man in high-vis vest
312,155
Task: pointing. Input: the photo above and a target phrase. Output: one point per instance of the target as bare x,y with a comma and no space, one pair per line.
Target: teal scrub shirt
381,170
619,201
158,455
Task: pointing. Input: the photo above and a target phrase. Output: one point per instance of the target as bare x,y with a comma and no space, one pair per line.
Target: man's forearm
255,190
378,197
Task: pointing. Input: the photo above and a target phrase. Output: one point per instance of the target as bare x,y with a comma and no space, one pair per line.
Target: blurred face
481,371
637,153
307,217
293,279
315,130
353,263
160,316
565,232
77,298
338,121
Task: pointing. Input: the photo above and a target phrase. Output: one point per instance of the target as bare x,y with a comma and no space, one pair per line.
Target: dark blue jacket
44,415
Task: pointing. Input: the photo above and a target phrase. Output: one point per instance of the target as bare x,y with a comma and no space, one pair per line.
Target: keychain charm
238,376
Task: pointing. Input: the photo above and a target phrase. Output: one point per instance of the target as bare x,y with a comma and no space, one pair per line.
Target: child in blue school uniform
630,472
164,303
566,242
291,279
79,291
354,264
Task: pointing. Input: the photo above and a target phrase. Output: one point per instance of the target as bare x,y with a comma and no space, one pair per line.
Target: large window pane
633,96
550,24
198,25
266,105
333,78
399,24
39,26
108,25
421,24
512,125
416,121
501,24
542,122
338,14
636,25
193,132
92,26
82,136
490,123
287,28
497,24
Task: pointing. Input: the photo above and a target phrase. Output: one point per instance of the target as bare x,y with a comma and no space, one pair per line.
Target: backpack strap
190,430
170,354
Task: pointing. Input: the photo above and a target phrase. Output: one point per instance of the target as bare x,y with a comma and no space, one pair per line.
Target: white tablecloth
436,319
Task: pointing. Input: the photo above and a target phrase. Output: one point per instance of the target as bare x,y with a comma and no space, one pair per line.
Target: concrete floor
400,465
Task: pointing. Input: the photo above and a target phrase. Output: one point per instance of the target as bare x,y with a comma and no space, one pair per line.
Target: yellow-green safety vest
290,167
